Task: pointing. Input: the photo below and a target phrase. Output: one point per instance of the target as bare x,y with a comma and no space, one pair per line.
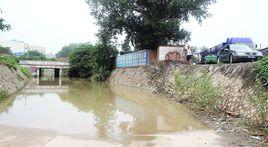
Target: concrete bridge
37,66
44,85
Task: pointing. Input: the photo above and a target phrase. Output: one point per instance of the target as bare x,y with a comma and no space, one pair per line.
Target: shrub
25,71
259,98
80,61
261,68
103,61
199,90
3,95
92,61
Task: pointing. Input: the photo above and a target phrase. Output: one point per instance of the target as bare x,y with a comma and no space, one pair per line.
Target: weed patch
3,95
198,90
261,68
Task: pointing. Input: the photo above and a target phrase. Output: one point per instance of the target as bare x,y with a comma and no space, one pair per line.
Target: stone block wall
11,80
235,80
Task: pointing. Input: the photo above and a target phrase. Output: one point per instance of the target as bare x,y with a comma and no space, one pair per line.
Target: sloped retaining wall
236,82
11,80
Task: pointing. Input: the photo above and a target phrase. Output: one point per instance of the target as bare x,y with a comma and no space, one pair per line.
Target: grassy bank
12,62
259,98
199,91
3,95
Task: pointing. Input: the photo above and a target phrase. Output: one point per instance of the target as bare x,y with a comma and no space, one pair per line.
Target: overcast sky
55,23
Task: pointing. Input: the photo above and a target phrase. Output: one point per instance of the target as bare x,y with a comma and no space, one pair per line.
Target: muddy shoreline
233,78
234,129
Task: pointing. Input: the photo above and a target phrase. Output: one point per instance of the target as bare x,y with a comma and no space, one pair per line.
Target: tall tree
3,25
66,50
147,23
33,55
5,50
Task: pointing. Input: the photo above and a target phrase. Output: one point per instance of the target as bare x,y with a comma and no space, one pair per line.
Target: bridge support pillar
60,72
37,72
60,83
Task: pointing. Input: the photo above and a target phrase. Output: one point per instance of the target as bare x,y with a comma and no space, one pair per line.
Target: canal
77,108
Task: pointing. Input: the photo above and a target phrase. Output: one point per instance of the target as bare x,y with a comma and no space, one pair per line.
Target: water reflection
76,106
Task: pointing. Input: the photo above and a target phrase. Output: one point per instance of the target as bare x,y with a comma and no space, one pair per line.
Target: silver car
238,53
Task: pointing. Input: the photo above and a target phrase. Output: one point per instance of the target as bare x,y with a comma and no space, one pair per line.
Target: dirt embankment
11,80
236,82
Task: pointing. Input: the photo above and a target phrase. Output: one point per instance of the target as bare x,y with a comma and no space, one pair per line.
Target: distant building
18,48
264,51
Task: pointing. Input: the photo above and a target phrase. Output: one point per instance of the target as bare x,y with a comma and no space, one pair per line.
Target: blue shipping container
140,58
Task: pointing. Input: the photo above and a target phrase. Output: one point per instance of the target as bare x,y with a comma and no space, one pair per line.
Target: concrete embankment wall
11,80
235,80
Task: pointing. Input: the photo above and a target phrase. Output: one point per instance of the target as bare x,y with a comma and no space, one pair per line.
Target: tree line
90,61
147,24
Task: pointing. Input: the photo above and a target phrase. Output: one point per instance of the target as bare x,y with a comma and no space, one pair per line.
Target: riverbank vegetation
13,62
66,50
199,91
3,95
259,98
261,68
92,61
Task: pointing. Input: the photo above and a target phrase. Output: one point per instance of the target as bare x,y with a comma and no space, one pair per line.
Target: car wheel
231,59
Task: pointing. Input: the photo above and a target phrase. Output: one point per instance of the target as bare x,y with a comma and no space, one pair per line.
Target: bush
25,71
199,90
92,61
80,61
261,68
259,98
103,59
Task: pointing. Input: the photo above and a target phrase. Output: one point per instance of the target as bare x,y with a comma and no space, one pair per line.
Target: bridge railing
45,63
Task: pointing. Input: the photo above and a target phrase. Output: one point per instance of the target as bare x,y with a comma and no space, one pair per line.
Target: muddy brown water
95,110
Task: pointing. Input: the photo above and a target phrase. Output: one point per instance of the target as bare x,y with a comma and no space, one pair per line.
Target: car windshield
239,47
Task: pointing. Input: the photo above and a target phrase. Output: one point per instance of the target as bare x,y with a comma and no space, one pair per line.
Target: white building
21,47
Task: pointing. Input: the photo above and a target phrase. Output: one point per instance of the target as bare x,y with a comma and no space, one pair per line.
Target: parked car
238,53
207,54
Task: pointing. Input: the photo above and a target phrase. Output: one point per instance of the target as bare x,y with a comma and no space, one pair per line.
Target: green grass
12,62
3,95
259,98
261,68
198,90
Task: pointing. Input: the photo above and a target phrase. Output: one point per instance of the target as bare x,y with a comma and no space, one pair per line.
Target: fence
140,58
